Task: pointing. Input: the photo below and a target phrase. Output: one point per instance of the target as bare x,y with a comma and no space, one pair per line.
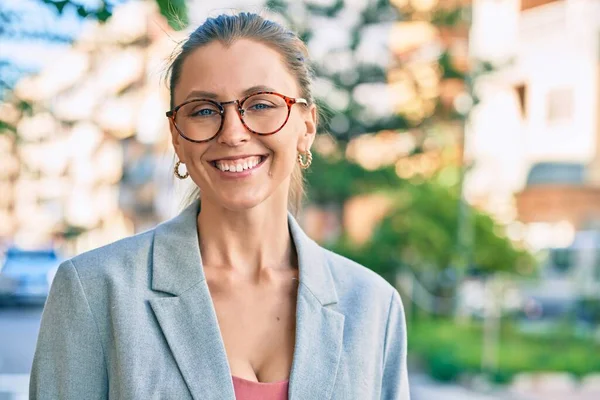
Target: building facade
87,158
534,138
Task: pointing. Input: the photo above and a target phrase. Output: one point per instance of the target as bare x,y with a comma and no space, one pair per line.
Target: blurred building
535,135
85,165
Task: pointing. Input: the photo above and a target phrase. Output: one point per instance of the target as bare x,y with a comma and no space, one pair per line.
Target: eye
263,103
203,112
260,106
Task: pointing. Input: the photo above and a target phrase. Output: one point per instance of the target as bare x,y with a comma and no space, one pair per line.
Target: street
17,338
18,333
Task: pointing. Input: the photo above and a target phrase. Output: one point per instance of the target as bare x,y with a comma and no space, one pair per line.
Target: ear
176,140
307,137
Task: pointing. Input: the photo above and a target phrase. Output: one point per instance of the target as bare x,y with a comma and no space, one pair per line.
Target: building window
561,259
528,4
521,91
559,105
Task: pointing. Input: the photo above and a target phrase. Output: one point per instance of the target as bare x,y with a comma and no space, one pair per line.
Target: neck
248,241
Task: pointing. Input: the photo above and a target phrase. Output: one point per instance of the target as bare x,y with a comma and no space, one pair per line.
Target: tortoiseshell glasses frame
289,101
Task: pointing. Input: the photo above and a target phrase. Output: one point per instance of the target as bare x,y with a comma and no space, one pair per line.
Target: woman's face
231,73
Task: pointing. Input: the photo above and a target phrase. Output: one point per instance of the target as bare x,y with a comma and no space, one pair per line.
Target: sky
29,54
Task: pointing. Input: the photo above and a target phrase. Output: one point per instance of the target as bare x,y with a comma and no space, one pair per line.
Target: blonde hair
229,28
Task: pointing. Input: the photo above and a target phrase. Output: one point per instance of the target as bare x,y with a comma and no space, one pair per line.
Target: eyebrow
201,94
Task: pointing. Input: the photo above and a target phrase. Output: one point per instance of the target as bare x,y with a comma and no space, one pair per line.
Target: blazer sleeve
395,374
69,361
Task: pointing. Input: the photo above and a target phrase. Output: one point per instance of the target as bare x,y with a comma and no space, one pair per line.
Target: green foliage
589,309
421,228
278,6
101,13
70,232
326,11
449,71
175,11
445,366
381,259
335,179
6,128
450,350
25,107
422,231
443,17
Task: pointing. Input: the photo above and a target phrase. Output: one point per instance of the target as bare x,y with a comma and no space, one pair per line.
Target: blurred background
461,161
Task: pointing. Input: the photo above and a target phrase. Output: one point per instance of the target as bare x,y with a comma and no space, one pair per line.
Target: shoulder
370,304
115,258
357,283
116,272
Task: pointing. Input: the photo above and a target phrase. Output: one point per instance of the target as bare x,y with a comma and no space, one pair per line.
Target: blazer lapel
188,320
190,327
319,327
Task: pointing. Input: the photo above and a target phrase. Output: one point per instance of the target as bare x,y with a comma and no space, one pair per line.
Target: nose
233,132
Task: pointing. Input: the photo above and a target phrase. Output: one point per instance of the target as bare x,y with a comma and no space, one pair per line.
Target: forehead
228,71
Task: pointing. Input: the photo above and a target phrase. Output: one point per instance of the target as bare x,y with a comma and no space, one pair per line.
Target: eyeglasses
262,113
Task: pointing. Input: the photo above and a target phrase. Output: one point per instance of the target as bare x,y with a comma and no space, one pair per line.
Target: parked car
26,276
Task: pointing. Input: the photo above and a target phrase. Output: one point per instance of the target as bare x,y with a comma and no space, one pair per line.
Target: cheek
284,150
193,156
194,151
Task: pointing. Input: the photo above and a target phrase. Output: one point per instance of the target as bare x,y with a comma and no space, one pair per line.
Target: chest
258,325
172,350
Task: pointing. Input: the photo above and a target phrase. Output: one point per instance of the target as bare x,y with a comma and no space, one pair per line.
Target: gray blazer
135,320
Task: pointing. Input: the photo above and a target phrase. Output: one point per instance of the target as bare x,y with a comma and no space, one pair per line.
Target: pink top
249,390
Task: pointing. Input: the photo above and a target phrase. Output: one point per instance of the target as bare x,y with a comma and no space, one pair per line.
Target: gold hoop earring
305,163
176,171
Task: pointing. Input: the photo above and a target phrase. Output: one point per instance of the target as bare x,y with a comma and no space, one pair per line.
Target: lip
237,157
242,174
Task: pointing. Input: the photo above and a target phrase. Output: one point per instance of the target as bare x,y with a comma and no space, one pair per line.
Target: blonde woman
230,299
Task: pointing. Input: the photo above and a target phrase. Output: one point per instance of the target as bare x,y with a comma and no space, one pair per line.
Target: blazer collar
177,263
176,260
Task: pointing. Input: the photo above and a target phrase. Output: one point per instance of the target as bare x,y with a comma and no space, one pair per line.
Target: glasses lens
199,120
265,113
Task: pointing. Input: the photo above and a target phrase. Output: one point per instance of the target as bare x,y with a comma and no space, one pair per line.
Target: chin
241,202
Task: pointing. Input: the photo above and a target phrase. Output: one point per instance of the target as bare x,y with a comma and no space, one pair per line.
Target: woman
230,299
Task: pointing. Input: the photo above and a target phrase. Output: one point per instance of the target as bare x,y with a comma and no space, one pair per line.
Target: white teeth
238,165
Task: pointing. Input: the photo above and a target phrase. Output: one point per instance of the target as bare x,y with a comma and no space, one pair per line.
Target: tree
419,230
351,74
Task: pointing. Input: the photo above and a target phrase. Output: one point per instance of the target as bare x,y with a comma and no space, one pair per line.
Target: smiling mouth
240,165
